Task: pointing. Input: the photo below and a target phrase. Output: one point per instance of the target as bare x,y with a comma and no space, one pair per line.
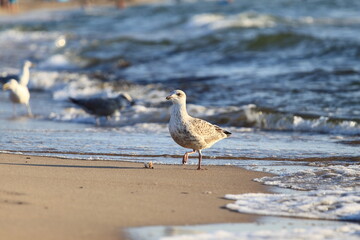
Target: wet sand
52,198
34,5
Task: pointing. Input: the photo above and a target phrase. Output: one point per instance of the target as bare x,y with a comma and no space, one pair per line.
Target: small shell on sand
149,165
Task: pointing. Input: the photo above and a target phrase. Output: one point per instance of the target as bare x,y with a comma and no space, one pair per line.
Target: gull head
28,64
10,85
126,96
125,99
177,96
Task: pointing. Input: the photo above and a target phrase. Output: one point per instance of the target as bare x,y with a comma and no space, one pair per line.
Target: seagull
22,78
19,94
104,107
190,132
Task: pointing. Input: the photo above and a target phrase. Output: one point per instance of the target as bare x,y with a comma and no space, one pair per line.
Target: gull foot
200,168
184,160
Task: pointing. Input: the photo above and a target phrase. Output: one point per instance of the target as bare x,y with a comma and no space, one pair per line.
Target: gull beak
6,86
168,97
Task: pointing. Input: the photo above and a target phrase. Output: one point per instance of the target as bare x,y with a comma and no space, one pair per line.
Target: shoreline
31,6
55,198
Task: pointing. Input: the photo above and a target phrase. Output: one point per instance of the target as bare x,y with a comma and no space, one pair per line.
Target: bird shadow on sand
70,166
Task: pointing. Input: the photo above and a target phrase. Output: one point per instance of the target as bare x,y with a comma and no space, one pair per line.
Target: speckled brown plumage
189,132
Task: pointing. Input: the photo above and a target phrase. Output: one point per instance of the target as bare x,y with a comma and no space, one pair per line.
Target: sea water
282,76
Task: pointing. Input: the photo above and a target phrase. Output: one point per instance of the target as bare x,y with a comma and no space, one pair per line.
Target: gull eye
178,94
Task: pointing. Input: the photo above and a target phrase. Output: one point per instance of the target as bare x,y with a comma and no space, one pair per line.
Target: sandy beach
53,198
34,5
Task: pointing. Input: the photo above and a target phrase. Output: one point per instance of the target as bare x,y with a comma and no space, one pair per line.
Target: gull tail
227,133
73,100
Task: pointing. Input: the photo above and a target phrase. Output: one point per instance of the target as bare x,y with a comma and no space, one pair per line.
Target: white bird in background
17,84
189,132
22,78
19,94
25,73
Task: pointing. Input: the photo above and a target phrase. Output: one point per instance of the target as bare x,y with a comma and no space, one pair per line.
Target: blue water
282,75
288,58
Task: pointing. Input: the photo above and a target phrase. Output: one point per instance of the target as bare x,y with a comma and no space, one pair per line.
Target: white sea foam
335,195
205,19
21,44
43,80
333,177
324,125
77,86
335,205
349,232
57,61
273,228
348,21
38,15
253,19
25,37
135,115
76,115
242,20
63,85
283,121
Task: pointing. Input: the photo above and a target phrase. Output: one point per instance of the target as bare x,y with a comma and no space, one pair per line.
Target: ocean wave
24,39
333,192
231,54
21,45
252,19
282,39
150,101
241,20
41,16
63,85
136,115
57,62
334,205
339,21
349,232
268,119
333,177
152,107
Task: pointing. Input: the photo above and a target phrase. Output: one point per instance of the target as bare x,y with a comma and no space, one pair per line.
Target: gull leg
186,156
29,110
200,158
14,110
